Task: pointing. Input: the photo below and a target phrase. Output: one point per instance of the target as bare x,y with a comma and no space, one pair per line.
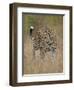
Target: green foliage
36,20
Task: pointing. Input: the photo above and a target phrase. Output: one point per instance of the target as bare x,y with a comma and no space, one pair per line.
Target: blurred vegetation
37,66
36,20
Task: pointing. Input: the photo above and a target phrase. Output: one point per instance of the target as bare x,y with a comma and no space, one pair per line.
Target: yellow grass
37,65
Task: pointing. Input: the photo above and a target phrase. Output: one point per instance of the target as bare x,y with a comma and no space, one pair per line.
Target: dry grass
37,65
